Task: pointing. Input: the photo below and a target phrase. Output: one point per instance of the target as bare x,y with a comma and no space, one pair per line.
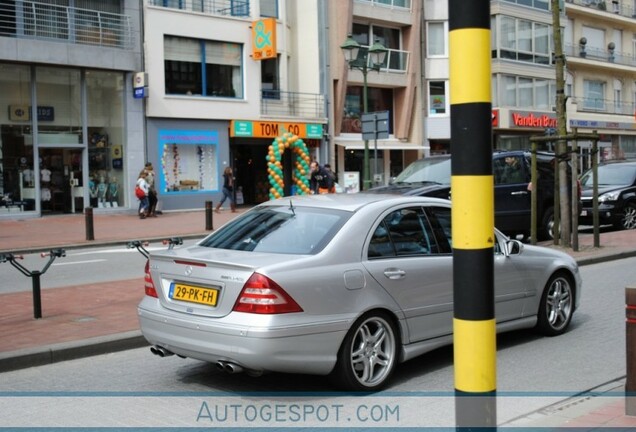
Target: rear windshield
613,175
284,229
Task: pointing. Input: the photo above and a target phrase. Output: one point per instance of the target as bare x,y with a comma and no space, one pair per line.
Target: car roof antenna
291,207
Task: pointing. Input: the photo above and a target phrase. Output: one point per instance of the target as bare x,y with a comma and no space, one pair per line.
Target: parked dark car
616,195
431,176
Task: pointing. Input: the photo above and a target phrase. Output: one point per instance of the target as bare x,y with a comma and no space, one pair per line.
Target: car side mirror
514,247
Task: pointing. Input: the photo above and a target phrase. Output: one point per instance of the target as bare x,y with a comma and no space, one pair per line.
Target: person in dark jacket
320,182
228,190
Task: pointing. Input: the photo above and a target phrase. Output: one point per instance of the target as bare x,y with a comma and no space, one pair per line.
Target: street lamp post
372,59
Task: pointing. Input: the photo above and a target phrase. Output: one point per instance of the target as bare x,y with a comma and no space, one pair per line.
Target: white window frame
446,101
444,25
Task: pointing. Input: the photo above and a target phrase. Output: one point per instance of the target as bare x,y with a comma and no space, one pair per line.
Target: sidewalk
99,318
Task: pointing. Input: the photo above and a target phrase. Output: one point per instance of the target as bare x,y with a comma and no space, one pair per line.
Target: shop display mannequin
113,192
92,191
102,188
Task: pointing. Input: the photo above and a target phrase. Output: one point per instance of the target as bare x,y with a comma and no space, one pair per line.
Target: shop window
203,68
105,138
189,161
17,188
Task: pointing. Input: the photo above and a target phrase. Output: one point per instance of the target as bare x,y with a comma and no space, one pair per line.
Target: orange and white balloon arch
275,168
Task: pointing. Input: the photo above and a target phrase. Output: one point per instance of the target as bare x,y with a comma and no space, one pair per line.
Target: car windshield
280,229
431,170
611,175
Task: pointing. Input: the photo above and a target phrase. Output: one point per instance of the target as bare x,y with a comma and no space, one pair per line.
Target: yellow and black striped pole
472,214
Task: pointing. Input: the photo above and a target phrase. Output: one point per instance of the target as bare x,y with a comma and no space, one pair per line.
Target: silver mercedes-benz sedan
346,285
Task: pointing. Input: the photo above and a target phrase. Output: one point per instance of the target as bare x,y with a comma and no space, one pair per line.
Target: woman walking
228,190
142,185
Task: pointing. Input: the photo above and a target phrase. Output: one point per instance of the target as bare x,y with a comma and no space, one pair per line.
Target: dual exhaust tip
221,365
160,351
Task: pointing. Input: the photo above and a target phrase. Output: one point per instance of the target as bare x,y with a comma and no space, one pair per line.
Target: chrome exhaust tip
160,351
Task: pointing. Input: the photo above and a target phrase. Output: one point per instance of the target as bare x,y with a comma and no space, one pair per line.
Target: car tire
546,229
627,217
368,355
556,306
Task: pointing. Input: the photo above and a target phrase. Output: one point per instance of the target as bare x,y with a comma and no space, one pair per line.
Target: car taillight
149,286
261,295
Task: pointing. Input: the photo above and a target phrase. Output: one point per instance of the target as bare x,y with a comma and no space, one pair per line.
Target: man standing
152,192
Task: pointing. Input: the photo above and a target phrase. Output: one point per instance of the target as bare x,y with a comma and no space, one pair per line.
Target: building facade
227,79
71,132
395,88
600,47
599,42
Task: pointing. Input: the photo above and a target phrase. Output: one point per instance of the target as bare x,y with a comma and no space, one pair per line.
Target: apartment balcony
234,8
42,21
276,103
395,61
608,58
609,9
604,106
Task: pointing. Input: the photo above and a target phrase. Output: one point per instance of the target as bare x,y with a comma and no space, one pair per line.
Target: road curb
39,356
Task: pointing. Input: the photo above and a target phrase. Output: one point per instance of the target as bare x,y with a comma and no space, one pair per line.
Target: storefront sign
602,124
23,113
264,39
532,120
140,85
256,129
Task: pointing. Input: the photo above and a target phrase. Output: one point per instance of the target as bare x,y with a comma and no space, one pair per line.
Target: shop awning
390,144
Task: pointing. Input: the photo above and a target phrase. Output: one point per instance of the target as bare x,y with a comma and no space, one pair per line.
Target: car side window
440,221
509,170
404,232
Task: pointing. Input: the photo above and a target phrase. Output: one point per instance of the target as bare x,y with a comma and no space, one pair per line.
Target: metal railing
395,60
393,4
605,106
292,104
607,6
236,8
603,55
42,21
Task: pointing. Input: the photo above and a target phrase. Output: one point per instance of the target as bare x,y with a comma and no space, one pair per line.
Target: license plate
193,294
583,212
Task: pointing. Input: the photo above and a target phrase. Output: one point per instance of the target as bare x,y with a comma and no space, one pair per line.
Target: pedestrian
334,178
228,190
320,181
152,191
512,171
141,191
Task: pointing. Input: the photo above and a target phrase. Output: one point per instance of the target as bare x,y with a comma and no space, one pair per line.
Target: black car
616,195
431,176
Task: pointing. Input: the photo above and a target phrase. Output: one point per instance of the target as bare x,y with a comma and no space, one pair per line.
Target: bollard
630,339
88,216
34,274
208,215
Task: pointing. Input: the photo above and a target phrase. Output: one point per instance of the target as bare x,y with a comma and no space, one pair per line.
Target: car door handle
394,274
519,193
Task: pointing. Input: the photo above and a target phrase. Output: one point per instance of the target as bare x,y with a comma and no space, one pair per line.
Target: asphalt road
532,372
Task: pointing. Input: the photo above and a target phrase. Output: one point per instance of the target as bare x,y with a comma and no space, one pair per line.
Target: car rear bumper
308,349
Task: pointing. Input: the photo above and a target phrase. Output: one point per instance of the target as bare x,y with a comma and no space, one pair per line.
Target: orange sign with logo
264,39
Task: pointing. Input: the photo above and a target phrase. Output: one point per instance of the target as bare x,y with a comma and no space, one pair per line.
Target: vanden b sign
263,129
